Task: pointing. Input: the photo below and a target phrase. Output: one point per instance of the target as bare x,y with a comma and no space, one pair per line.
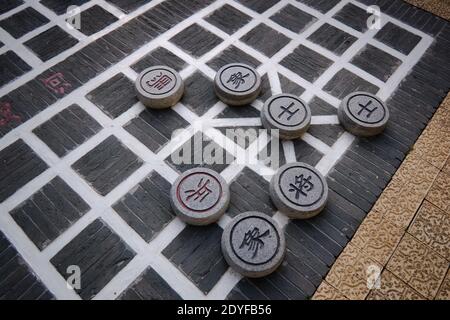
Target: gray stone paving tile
67,130
376,62
60,6
102,53
196,40
59,39
340,204
242,136
353,16
95,19
133,34
211,155
354,186
257,5
334,226
272,155
245,112
128,6
149,286
303,153
314,232
77,69
49,212
250,192
266,89
357,170
12,67
19,164
228,19
293,18
346,82
18,282
199,93
265,39
197,253
232,54
98,252
354,198
326,133
146,208
8,5
307,63
289,86
159,56
321,5
346,215
332,39
321,108
23,22
154,128
107,165
24,102
115,96
306,153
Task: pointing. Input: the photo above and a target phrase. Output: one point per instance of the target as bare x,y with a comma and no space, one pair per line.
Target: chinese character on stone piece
301,186
252,239
201,192
7,115
287,110
57,83
366,108
159,81
237,79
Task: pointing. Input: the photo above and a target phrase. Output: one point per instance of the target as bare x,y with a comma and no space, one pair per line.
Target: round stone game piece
253,244
299,190
363,114
287,113
159,87
200,196
237,84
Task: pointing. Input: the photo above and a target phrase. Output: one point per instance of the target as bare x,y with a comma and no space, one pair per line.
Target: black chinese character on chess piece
237,79
159,81
200,193
252,240
287,110
301,186
366,108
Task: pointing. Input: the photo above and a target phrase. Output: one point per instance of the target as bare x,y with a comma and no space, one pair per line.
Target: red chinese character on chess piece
57,83
7,115
159,81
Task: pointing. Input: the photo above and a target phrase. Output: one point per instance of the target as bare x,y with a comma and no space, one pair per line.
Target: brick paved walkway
406,236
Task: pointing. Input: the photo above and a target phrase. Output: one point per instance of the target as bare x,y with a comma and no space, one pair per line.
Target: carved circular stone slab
159,87
200,196
299,190
363,114
237,84
287,113
253,244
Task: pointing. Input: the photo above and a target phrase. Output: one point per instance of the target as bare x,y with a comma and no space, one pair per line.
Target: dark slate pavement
355,182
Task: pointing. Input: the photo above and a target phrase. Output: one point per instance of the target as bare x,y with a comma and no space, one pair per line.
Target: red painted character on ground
7,115
57,83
